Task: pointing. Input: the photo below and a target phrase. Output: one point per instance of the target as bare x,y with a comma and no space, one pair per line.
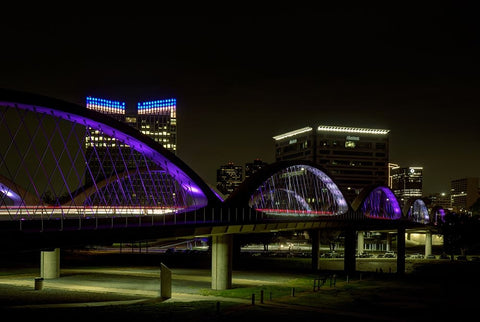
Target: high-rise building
355,157
252,167
407,183
440,199
107,148
229,177
464,192
156,119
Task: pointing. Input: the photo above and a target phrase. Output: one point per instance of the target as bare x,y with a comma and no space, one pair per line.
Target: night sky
240,80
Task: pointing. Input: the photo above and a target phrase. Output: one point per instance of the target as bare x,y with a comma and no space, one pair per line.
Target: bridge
70,176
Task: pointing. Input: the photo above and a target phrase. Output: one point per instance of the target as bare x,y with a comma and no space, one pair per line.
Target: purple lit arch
418,212
381,203
187,182
298,189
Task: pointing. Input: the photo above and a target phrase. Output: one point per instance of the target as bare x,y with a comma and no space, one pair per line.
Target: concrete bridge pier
50,263
428,243
401,250
360,242
350,248
315,236
389,242
222,251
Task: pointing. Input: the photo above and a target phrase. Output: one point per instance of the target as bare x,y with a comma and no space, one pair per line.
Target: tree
460,233
475,208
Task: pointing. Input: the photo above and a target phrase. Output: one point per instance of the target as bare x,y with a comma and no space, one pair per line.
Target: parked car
365,255
417,255
389,255
431,256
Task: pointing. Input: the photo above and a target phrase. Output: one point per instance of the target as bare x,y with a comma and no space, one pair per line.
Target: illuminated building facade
156,119
354,157
407,183
464,192
96,143
229,177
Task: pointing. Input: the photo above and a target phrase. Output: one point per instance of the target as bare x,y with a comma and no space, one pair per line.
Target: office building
407,183
354,157
440,199
156,119
464,192
229,177
252,167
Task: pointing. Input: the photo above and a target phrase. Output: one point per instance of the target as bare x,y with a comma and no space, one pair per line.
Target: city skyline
241,80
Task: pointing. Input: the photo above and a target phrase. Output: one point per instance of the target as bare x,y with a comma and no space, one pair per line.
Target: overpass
60,189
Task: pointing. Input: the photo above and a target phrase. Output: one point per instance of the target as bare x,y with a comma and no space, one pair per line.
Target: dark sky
241,79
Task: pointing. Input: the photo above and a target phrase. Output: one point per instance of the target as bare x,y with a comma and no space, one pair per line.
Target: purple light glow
382,204
418,212
17,200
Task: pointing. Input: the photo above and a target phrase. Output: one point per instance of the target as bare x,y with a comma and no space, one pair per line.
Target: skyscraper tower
229,177
464,192
407,183
156,119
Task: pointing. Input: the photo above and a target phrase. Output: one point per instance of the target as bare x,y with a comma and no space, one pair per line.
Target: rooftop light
346,129
292,133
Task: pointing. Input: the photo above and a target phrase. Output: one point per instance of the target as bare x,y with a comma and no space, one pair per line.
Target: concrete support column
360,242
350,247
315,236
389,242
50,263
222,250
428,243
401,251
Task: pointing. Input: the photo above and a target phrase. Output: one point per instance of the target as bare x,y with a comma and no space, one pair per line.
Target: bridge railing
38,219
77,218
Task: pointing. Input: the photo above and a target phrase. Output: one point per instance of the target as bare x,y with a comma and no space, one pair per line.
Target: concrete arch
143,144
300,201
